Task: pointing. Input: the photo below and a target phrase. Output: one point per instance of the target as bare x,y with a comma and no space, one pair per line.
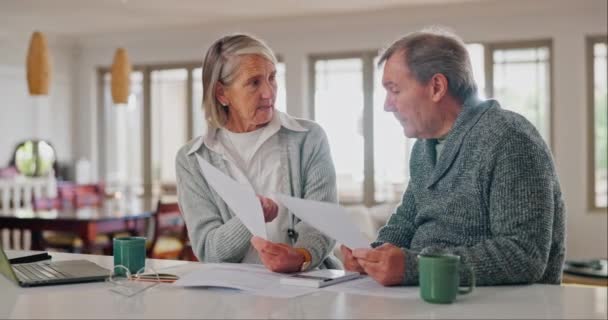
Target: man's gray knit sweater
493,198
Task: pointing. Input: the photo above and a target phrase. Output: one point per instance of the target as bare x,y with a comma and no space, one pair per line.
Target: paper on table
328,218
240,198
252,278
369,287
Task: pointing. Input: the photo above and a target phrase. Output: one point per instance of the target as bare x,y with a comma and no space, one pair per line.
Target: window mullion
368,130
189,104
147,134
101,130
488,51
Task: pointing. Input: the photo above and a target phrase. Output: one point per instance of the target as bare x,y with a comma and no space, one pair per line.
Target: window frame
367,59
590,42
146,70
490,47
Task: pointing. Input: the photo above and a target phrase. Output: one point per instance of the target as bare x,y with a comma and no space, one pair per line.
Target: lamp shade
121,71
38,65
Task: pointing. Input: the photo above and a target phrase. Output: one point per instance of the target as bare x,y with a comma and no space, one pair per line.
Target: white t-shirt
254,158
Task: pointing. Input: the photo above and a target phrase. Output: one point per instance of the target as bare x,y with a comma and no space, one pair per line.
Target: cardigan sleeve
212,239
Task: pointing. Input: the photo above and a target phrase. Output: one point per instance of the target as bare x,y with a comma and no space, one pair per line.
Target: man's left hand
385,264
278,257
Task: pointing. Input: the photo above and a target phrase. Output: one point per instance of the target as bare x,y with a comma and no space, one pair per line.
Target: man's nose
389,105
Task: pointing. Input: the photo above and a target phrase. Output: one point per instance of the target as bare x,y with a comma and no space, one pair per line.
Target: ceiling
80,17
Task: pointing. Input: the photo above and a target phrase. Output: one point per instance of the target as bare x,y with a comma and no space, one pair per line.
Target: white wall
19,111
567,23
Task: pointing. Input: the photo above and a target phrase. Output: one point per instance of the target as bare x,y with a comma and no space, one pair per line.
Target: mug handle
472,285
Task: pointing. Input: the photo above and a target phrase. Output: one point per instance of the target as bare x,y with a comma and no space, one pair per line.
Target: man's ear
220,94
438,86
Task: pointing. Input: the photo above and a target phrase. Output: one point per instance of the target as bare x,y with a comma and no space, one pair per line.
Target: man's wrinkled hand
350,263
385,264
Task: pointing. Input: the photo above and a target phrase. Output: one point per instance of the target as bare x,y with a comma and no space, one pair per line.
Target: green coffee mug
440,278
129,252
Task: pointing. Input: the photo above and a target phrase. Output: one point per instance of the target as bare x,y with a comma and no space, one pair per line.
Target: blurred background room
96,104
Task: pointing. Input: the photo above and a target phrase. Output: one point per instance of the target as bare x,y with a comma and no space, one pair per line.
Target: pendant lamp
121,71
38,65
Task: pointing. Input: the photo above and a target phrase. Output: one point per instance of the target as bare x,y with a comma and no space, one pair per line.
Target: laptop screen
5,267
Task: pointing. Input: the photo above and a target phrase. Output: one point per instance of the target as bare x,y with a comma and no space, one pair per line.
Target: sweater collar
472,111
279,120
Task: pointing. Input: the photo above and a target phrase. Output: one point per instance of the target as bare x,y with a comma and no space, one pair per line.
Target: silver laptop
47,273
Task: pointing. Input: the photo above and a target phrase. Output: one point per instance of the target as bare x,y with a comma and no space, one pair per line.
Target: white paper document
369,287
251,278
239,197
329,218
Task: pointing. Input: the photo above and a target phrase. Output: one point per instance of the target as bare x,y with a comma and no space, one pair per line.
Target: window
141,150
338,109
199,125
598,116
139,142
281,101
169,106
369,148
391,148
122,132
519,77
477,55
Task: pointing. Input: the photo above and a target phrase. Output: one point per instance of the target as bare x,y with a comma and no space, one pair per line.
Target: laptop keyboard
37,272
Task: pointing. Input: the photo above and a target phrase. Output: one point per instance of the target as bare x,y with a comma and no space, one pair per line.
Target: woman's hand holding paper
278,257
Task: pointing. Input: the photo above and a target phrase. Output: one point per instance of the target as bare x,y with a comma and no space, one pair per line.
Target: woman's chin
264,115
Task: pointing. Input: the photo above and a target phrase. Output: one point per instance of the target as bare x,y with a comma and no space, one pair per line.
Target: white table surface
95,300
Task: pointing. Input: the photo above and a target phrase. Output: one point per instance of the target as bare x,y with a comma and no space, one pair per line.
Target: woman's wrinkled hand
278,257
269,207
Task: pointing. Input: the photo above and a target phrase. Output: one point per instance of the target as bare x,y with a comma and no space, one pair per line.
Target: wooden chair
19,192
81,195
170,237
77,196
16,239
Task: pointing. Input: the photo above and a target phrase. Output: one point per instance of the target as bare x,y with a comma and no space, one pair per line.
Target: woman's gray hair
436,50
221,64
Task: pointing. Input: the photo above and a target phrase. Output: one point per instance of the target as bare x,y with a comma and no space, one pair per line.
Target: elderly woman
249,140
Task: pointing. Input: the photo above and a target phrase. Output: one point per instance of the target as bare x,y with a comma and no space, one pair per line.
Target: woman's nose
268,90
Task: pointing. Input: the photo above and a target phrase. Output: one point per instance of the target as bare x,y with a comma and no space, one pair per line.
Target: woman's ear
438,87
220,94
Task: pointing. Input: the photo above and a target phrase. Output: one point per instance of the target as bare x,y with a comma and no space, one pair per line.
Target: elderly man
483,184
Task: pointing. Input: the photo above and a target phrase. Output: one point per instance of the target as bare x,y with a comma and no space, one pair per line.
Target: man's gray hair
436,50
221,64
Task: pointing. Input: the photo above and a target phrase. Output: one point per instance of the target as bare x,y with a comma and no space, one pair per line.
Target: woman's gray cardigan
216,234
